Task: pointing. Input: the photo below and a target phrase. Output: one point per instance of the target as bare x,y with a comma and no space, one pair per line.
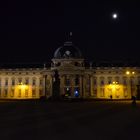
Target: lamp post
129,74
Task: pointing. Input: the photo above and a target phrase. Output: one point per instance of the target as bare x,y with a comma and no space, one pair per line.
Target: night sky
32,31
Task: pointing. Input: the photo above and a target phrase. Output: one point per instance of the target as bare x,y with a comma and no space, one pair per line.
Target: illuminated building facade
76,80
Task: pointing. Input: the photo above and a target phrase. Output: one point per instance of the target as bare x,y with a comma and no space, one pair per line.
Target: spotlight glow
114,15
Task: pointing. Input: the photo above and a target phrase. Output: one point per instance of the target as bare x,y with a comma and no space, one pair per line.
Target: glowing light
133,72
115,16
21,90
76,93
127,72
115,82
114,89
68,89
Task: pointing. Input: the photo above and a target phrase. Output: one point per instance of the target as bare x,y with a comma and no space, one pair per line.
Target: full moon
114,15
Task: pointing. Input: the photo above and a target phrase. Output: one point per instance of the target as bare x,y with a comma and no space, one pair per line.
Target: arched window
101,81
6,82
13,81
109,80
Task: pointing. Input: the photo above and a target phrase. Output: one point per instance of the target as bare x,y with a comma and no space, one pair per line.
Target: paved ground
97,120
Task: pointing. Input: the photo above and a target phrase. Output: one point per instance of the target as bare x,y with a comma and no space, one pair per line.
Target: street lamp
130,73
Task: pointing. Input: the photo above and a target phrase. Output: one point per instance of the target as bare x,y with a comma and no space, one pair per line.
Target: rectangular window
6,82
26,81
109,80
77,81
34,82
40,92
67,82
33,92
13,82
41,82
94,82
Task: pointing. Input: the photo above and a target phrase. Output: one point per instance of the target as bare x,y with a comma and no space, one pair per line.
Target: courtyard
97,120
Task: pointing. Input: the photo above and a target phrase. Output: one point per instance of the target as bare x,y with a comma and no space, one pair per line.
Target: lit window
12,92
6,92
19,93
26,92
102,92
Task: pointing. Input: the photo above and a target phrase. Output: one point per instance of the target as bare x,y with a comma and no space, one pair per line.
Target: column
72,85
91,85
62,84
84,85
129,88
81,86
44,85
51,85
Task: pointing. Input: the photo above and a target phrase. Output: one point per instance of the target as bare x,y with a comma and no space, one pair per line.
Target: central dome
68,50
